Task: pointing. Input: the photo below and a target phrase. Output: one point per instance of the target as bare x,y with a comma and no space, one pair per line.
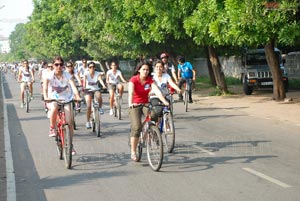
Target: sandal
133,157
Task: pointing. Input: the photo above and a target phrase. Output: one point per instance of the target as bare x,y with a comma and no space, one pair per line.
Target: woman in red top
139,88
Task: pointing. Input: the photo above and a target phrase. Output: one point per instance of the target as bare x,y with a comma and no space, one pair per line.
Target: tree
255,23
198,27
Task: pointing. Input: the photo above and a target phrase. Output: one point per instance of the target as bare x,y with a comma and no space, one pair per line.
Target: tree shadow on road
191,156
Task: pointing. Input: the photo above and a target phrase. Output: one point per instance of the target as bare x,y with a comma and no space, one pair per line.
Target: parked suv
256,72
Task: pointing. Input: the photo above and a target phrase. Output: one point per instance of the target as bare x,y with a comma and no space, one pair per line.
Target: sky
13,12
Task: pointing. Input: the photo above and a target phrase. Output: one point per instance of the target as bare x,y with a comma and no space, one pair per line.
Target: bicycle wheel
169,131
118,106
27,96
139,151
96,127
74,115
154,148
67,146
59,146
186,102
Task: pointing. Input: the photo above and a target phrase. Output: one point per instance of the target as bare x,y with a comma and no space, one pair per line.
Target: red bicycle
64,134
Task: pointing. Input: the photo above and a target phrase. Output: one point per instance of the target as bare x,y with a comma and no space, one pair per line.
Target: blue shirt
186,70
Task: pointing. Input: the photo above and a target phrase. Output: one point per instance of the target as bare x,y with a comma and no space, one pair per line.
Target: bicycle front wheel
169,131
27,100
59,146
97,123
118,106
154,148
67,146
186,94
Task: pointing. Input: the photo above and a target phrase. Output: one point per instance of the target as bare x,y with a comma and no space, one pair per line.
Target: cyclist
74,75
112,80
58,85
82,69
163,80
25,75
139,87
91,80
186,74
168,66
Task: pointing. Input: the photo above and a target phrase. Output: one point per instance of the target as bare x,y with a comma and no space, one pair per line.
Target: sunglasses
25,63
68,66
50,66
58,64
91,66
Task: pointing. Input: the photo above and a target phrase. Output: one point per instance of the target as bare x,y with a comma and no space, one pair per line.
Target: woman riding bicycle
25,76
112,80
139,87
163,80
58,86
90,81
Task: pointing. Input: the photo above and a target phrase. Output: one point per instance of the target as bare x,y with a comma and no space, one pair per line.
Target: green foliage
294,83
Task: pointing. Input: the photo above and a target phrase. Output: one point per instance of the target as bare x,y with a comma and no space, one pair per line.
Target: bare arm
158,93
45,88
130,93
73,86
173,85
101,81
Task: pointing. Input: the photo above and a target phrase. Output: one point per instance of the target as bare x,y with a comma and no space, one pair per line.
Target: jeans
189,82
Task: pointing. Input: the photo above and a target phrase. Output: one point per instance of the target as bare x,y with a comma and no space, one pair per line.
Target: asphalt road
220,154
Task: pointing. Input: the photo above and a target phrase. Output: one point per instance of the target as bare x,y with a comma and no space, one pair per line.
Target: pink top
141,92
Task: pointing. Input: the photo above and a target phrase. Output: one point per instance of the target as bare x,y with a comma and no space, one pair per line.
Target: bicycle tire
67,147
169,131
97,125
118,107
93,120
27,100
154,146
74,115
59,146
139,152
186,94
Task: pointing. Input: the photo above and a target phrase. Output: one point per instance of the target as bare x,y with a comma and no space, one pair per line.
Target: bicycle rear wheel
169,131
154,148
67,147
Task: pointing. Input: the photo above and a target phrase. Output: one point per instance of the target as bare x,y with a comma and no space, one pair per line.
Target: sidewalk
259,104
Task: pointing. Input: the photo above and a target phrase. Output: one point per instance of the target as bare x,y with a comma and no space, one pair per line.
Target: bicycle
96,118
167,128
151,139
76,109
117,103
64,135
186,94
27,96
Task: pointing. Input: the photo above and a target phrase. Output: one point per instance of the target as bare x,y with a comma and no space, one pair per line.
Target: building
4,46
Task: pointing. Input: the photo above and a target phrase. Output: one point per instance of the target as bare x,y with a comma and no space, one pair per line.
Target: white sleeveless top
163,83
59,89
91,83
26,75
113,78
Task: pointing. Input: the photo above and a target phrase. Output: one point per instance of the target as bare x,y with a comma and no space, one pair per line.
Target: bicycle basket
157,106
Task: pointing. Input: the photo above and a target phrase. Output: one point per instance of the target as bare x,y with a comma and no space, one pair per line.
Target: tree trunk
273,62
216,66
210,70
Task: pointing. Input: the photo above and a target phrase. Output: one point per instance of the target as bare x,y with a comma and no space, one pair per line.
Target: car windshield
258,58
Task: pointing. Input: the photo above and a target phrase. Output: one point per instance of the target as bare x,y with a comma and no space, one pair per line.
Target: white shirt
26,75
113,77
91,82
59,89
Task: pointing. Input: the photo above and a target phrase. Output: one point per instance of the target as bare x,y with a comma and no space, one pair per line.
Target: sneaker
52,132
190,101
101,110
73,151
111,112
88,125
31,97
22,105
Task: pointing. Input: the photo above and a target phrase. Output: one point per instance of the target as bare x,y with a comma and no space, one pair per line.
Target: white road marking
10,172
270,179
205,151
